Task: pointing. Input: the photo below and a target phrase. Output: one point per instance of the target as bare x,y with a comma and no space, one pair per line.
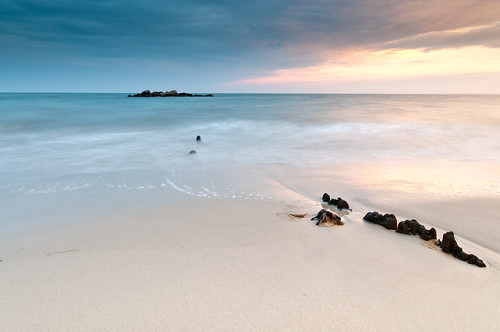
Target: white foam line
208,191
173,185
185,185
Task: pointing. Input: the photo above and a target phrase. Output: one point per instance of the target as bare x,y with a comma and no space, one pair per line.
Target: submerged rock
192,152
333,201
198,138
325,216
338,202
341,204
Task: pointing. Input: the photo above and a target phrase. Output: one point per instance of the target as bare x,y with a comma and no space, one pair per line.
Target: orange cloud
388,64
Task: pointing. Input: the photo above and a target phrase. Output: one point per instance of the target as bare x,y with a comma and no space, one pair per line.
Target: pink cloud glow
388,65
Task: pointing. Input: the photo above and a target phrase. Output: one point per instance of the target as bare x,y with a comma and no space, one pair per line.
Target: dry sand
164,260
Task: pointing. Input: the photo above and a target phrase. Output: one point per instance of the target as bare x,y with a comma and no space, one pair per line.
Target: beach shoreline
162,258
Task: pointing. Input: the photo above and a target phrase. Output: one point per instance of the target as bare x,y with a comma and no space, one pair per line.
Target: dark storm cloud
269,30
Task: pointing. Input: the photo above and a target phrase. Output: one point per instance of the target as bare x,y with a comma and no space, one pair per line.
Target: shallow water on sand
422,144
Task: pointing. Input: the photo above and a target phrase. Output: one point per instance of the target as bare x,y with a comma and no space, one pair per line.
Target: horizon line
268,93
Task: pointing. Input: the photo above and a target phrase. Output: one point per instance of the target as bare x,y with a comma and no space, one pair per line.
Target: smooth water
56,142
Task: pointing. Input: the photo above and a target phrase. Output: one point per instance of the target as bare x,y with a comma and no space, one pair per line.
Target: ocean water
444,144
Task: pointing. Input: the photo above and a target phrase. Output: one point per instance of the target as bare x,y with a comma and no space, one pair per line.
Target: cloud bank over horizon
256,46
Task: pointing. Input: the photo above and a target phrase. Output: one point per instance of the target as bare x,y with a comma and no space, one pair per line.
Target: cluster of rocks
327,217
389,221
409,227
449,245
413,227
338,202
172,93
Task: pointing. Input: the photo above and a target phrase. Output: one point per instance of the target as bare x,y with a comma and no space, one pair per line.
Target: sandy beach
162,259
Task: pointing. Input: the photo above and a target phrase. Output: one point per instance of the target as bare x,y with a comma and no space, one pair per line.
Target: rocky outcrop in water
327,217
172,93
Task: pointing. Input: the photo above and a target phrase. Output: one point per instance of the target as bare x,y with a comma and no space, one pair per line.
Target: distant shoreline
172,93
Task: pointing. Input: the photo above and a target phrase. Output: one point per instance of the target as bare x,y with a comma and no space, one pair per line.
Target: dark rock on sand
325,216
388,221
415,227
412,227
449,245
402,228
373,217
325,198
198,138
476,261
409,227
429,234
463,256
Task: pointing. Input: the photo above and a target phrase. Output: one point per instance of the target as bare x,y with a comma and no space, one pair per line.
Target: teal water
54,142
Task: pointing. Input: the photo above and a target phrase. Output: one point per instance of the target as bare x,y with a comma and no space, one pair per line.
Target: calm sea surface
57,142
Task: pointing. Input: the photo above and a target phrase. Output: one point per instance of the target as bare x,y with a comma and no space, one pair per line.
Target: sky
311,46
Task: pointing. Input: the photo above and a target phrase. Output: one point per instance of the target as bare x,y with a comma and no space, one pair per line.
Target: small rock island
173,93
